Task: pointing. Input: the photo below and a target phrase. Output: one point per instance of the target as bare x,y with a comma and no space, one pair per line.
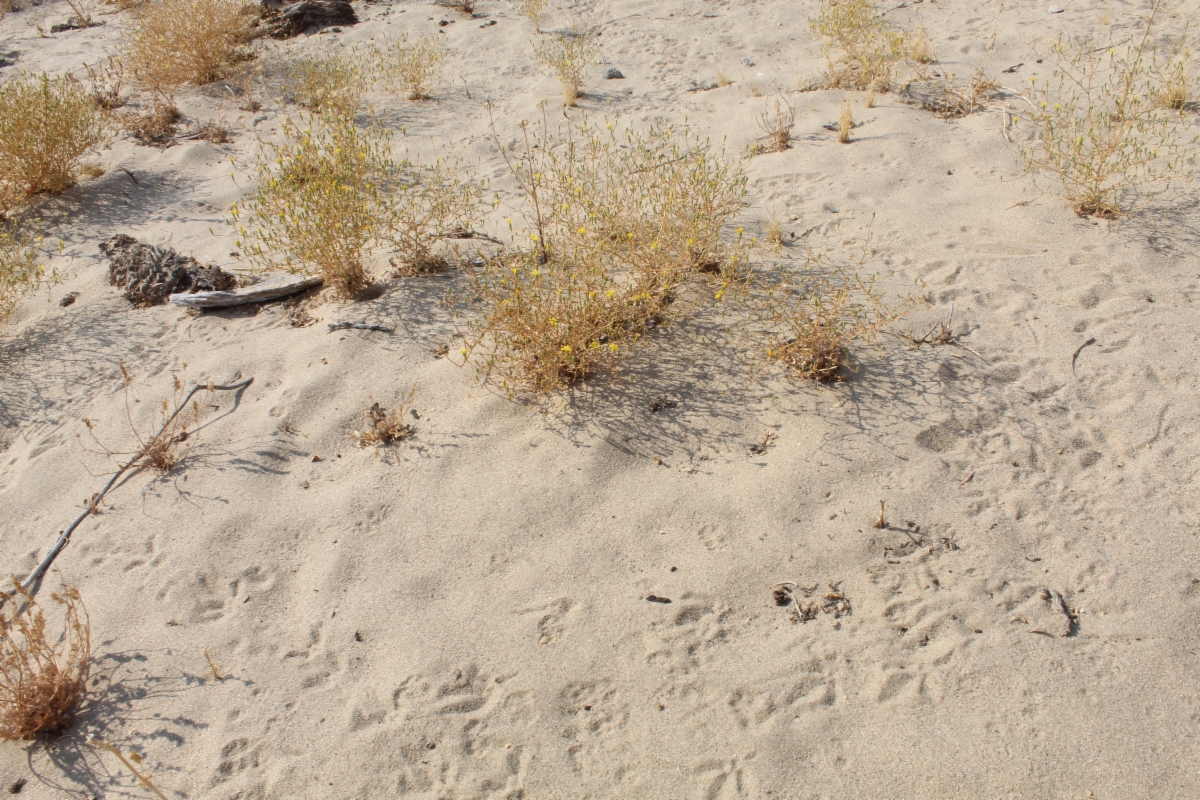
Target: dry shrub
330,81
21,270
430,204
534,11
413,67
330,195
386,426
43,677
1099,127
920,47
47,127
177,42
777,129
813,316
618,225
568,55
948,98
108,79
157,124
1174,87
465,6
172,438
861,48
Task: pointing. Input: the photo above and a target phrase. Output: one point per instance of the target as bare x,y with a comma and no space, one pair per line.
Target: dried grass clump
157,124
330,195
1174,88
330,81
568,55
413,67
178,42
386,426
1100,128
861,48
21,270
777,129
618,225
920,47
465,6
47,127
43,677
813,316
846,122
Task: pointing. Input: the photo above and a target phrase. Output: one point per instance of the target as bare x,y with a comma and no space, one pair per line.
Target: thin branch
93,504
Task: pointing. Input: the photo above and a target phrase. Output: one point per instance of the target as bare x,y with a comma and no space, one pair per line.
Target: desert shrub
777,128
107,78
813,315
47,127
861,48
1100,128
428,205
177,42
329,195
568,55
534,11
920,48
330,81
465,6
617,224
413,67
43,677
321,201
21,270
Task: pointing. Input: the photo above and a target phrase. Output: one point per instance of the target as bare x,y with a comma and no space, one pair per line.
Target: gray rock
1056,9
613,74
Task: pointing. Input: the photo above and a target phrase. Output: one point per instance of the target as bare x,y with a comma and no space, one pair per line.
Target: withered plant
777,128
386,426
43,676
813,315
171,440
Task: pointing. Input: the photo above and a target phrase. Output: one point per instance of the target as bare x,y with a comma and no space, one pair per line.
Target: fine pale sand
464,614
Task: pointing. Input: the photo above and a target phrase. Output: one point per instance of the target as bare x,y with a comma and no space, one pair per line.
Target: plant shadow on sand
122,683
685,391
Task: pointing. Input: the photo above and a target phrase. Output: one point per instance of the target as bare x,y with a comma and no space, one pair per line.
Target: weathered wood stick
270,289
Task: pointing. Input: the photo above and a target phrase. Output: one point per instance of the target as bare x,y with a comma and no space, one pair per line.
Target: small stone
1056,9
613,74
544,640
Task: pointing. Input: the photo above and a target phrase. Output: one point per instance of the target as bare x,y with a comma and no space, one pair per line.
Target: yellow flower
554,320
611,292
566,348
536,272
612,348
534,236
462,352
582,231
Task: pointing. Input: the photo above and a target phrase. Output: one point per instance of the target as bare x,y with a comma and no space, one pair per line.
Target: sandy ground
463,615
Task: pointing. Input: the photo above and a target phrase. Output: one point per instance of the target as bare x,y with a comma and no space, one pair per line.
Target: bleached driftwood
270,289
